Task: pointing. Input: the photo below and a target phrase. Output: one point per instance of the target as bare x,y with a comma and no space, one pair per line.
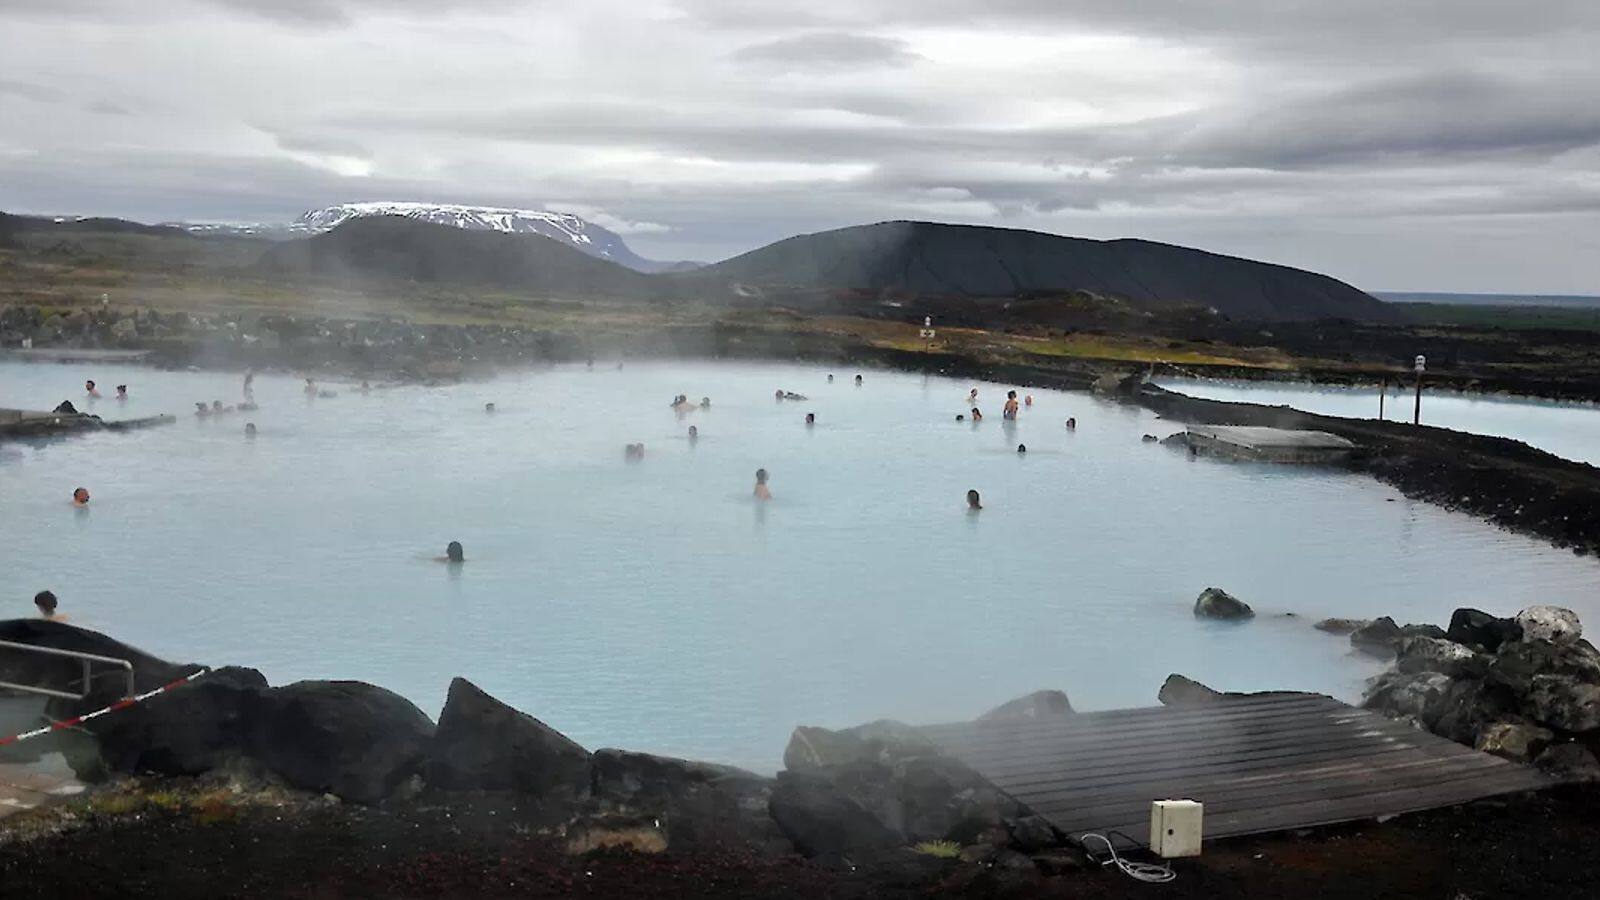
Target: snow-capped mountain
564,227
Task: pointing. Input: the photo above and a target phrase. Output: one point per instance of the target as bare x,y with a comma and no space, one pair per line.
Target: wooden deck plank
1259,764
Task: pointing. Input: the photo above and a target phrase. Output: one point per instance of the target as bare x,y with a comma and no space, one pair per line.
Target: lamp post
1421,365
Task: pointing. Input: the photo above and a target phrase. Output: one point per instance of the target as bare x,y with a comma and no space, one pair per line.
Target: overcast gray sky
1398,144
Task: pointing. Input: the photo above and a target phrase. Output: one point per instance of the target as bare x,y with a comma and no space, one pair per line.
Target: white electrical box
1175,828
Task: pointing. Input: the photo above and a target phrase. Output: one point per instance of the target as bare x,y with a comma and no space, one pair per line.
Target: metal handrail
86,658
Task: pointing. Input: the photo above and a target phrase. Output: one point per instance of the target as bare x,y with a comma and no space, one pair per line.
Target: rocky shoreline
874,810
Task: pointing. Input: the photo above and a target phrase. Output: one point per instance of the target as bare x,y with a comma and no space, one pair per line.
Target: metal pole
1416,416
1383,388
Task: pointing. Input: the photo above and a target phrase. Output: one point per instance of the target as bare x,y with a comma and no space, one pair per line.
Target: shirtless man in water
1010,410
46,601
762,492
80,497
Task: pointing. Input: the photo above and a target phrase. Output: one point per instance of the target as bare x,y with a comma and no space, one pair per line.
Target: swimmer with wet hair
694,434
705,402
762,492
830,378
777,394
88,387
454,553
1072,423
858,381
960,417
976,416
249,429
811,419
972,501
80,497
1010,409
46,602
201,409
1022,448
218,409
122,392
1028,400
488,407
972,397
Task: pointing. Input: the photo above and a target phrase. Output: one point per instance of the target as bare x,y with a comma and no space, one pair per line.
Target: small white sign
1421,363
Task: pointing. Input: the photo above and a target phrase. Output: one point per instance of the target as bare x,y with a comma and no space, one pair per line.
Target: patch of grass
940,849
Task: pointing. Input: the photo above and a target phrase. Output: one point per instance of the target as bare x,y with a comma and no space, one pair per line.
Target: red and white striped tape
124,703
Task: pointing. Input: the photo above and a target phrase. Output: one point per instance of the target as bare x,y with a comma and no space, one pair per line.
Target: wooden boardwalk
1259,764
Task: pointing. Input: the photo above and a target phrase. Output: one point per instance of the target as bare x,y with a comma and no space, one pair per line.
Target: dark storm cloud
1391,143
830,49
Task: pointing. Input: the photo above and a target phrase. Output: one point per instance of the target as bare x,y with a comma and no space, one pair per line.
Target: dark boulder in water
1382,636
1216,603
1341,626
1429,654
348,738
482,744
1476,628
1035,707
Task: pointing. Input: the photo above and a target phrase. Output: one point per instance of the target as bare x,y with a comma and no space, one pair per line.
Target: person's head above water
122,390
858,379
705,401
1011,395
249,429
830,378
216,405
1022,448
488,407
972,500
80,496
453,552
693,432
778,393
811,418
761,476
88,386
46,601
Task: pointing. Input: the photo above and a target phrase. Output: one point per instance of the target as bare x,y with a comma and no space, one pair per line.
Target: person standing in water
249,386
46,602
830,378
972,397
762,492
694,434
88,387
858,381
811,419
80,497
122,392
976,416
453,553
1010,409
250,429
972,502
311,388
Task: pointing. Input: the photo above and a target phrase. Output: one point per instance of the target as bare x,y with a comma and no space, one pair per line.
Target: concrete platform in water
22,423
1254,442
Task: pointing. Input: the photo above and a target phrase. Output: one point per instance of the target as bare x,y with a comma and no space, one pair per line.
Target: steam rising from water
654,605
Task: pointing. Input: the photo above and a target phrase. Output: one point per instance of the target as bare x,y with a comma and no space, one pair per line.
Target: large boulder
1039,706
1476,628
1381,637
883,741
1178,690
1569,761
822,820
1564,702
1519,662
108,684
1428,654
1553,624
1469,706
1419,697
354,740
1216,603
482,744
189,730
1516,741
693,804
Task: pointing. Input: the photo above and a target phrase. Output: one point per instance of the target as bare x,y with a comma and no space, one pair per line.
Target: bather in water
88,388
452,553
80,497
973,504
46,602
249,429
762,492
122,392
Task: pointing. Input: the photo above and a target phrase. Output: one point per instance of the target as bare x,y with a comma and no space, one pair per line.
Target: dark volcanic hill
931,259
395,248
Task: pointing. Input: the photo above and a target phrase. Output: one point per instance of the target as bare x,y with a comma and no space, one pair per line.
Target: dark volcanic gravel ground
1545,846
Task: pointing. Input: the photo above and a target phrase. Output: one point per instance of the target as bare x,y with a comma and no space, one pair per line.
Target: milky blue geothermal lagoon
1568,430
654,605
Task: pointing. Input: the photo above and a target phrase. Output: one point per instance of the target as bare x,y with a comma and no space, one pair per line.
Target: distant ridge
929,258
398,248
